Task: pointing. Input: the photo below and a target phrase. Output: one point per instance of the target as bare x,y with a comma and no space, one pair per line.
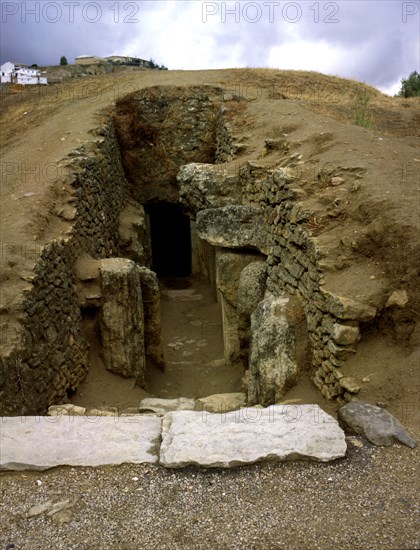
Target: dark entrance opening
171,240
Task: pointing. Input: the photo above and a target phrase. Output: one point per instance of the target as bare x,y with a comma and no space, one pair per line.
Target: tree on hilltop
410,87
63,60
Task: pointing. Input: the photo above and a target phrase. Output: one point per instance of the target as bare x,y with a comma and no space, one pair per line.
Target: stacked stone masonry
294,267
51,357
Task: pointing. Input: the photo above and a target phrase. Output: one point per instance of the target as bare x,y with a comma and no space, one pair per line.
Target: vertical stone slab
251,289
229,266
273,364
152,317
121,320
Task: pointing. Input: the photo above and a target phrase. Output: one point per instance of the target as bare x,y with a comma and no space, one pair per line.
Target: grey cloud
380,48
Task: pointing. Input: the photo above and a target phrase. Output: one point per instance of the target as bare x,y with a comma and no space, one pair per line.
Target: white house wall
20,75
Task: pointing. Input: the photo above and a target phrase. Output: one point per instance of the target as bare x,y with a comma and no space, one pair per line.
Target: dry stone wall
296,258
50,356
295,267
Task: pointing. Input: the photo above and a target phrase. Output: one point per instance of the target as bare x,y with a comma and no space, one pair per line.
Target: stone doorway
170,234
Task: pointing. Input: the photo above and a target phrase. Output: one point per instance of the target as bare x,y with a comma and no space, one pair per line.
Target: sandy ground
370,500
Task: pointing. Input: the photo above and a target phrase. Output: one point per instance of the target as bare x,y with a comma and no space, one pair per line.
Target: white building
20,74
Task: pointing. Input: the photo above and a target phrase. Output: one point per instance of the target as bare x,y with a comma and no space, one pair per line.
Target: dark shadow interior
171,240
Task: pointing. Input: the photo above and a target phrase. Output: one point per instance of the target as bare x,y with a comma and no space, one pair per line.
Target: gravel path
370,500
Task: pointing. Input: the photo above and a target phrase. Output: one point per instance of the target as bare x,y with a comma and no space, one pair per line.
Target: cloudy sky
375,41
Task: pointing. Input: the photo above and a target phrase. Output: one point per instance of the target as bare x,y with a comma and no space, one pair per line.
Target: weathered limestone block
39,443
205,186
345,335
229,266
86,271
152,317
251,288
121,319
273,364
249,435
375,423
233,226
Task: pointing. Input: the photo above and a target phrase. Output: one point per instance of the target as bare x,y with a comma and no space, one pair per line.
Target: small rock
289,402
222,402
66,410
345,335
39,509
160,405
398,298
64,516
336,181
61,505
355,441
350,384
112,411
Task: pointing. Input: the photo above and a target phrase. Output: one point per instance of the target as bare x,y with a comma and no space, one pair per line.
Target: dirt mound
320,127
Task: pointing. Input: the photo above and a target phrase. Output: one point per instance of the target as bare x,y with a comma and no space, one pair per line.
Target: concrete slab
249,435
42,442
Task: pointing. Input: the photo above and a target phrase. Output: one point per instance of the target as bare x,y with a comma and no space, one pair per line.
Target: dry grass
22,107
313,86
330,95
343,99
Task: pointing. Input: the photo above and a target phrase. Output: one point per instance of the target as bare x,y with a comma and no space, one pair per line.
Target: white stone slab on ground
249,435
39,442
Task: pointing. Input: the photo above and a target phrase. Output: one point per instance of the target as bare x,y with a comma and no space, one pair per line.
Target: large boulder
374,423
203,186
121,319
273,361
233,226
